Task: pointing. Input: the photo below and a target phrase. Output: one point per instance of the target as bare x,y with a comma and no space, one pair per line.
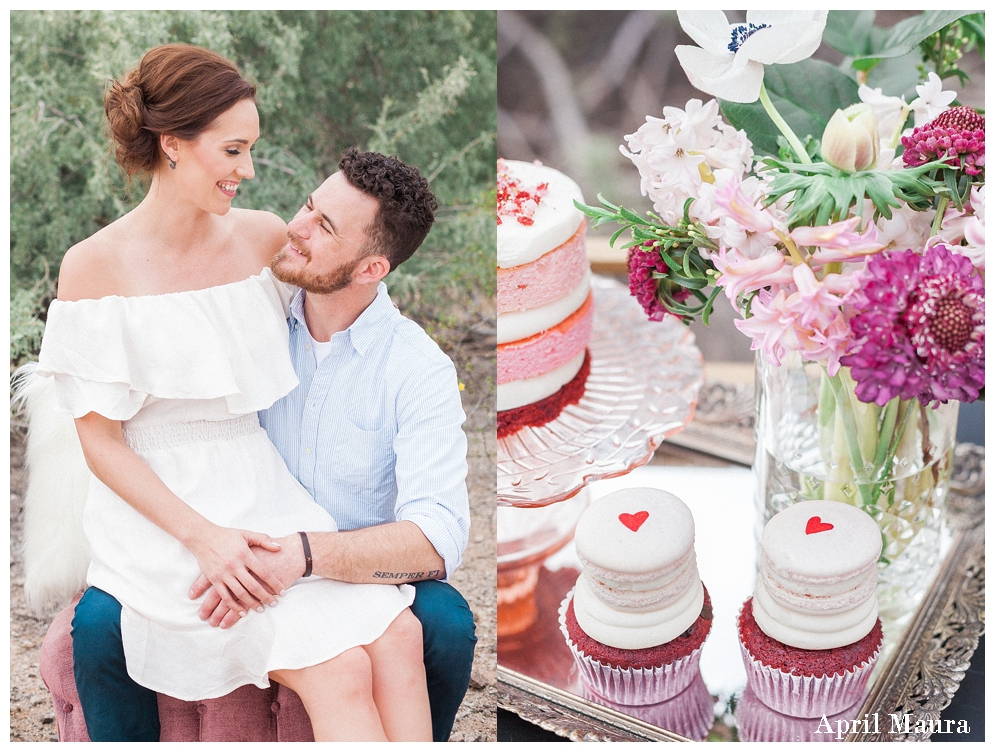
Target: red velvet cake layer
542,412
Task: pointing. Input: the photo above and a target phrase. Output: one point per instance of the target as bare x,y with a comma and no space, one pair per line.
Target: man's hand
285,563
230,561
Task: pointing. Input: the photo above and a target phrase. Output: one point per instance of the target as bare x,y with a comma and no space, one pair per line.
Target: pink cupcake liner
631,686
756,722
806,696
689,714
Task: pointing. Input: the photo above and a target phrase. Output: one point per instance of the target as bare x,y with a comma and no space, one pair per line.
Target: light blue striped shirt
374,433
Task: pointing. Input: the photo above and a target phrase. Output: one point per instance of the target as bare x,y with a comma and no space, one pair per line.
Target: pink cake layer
526,358
550,277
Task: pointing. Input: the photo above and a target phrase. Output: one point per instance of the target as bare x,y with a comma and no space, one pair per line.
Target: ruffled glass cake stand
642,389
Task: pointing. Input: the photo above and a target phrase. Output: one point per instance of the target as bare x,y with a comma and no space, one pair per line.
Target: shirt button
307,450
307,347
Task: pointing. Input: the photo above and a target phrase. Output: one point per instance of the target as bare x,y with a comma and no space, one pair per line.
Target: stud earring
172,163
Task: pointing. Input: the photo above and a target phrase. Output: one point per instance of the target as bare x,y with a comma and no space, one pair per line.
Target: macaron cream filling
636,596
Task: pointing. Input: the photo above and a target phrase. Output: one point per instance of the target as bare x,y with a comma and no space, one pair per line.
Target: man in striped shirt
374,429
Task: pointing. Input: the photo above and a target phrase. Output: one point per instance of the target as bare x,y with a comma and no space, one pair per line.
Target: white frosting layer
555,221
816,590
519,392
813,631
636,630
516,325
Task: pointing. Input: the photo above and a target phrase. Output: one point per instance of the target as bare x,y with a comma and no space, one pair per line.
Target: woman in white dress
168,334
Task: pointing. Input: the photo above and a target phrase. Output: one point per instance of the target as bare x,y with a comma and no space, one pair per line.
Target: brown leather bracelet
307,553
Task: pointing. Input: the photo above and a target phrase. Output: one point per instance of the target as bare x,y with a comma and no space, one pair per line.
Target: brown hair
177,89
407,206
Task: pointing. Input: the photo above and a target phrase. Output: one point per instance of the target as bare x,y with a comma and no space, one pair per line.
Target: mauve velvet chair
248,714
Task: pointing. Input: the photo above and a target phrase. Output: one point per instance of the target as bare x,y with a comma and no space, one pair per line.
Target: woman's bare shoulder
262,232
91,268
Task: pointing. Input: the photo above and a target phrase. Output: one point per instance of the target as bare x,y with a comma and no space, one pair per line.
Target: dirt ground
32,717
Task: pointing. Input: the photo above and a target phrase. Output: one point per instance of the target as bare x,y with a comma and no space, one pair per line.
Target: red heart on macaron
816,525
633,521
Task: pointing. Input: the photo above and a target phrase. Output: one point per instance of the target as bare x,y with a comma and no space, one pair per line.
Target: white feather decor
56,554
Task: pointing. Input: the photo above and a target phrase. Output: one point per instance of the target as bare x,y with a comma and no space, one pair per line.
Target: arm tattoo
407,576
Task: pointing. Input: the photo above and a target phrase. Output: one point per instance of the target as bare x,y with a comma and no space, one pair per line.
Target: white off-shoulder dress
185,373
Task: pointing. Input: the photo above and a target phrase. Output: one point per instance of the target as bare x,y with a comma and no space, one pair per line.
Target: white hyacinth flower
729,63
932,100
891,113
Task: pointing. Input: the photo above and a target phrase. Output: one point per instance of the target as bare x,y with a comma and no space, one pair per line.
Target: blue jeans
115,708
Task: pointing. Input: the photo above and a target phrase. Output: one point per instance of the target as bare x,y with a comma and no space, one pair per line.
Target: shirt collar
366,329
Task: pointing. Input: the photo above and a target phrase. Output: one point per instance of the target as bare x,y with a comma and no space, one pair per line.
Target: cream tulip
850,141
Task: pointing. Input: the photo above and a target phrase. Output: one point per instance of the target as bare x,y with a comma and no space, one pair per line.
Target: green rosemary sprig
683,289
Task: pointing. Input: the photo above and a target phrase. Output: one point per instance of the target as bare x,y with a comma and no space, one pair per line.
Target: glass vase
816,440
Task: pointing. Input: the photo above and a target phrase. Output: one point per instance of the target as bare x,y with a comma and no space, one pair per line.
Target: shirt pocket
361,458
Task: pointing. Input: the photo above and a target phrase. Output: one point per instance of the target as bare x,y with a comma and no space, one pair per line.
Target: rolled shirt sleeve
430,450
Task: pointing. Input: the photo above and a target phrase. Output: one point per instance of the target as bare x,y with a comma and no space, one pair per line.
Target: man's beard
319,284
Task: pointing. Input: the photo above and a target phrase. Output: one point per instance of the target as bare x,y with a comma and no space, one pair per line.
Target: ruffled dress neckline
111,354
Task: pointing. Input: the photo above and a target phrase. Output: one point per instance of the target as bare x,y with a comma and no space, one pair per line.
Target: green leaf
671,263
975,23
615,235
806,94
605,202
691,283
630,216
897,76
906,35
950,178
849,31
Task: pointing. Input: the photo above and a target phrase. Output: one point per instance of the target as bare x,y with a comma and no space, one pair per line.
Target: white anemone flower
729,63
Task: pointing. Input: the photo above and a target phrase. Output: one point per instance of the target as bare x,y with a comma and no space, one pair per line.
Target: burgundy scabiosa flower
643,261
919,328
958,133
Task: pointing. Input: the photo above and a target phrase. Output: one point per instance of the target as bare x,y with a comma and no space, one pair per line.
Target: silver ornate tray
919,678
642,389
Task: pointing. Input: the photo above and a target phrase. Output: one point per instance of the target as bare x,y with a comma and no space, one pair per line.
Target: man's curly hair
407,206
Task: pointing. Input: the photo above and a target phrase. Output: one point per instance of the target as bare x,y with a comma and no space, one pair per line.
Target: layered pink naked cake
545,309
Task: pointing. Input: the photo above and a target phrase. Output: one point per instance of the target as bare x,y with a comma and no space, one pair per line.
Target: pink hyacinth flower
808,321
767,326
813,305
739,274
838,241
734,204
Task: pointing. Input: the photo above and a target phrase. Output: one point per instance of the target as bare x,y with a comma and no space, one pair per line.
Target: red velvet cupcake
810,636
638,615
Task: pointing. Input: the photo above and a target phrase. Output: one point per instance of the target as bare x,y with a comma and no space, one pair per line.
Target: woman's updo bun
177,89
